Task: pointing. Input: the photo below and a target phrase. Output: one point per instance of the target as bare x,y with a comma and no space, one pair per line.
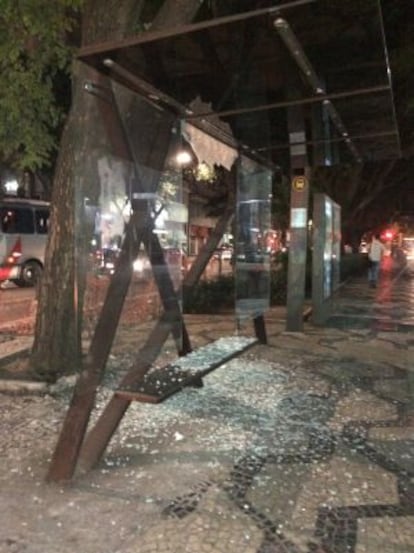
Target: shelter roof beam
298,54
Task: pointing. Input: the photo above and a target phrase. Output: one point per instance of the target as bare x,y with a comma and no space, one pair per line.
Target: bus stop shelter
278,86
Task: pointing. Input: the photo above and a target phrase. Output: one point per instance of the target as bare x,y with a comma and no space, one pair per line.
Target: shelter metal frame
120,61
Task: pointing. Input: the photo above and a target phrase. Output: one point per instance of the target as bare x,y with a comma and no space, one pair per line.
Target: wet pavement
304,445
389,306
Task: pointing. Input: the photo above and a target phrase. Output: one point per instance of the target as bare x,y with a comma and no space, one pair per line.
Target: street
16,304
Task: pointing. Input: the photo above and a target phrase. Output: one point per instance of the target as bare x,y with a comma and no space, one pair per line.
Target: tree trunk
56,349
56,345
174,13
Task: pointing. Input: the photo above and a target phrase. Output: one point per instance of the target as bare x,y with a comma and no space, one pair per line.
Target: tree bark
56,345
177,12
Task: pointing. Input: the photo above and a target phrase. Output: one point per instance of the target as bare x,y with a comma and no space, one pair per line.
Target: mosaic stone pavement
305,445
338,476
351,489
388,307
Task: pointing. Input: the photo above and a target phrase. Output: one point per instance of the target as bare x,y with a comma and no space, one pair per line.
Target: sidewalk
305,445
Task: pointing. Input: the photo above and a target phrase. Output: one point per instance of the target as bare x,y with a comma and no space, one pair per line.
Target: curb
4,360
15,386
23,387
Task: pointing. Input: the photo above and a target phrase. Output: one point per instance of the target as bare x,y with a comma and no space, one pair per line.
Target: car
104,261
24,226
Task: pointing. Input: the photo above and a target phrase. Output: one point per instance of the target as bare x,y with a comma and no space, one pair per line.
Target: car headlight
138,265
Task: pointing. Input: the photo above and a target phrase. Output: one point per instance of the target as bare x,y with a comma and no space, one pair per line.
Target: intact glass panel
252,267
336,246
130,222
328,249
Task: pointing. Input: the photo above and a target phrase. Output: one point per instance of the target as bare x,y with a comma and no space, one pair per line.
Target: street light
183,157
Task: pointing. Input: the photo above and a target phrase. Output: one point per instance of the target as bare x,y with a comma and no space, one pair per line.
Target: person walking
376,250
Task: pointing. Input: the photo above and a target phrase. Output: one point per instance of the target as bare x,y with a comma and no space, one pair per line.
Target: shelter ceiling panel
249,65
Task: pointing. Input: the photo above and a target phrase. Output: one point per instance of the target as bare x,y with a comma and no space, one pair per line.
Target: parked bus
23,233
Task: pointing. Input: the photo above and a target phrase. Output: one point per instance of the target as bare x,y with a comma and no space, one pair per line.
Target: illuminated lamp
183,157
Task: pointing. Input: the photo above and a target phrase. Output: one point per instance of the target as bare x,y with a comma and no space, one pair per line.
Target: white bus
23,233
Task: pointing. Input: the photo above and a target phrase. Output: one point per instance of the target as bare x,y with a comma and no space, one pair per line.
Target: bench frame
148,393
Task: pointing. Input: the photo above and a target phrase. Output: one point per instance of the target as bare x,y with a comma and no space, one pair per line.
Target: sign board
298,217
299,183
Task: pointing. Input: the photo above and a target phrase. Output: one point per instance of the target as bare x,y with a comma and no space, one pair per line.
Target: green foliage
215,296
211,296
34,54
278,280
218,295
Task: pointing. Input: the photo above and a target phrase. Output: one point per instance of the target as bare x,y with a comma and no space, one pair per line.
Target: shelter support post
260,329
100,435
299,198
98,438
66,453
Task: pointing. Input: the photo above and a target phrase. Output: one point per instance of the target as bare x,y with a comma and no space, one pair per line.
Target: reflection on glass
336,247
130,215
253,225
329,218
327,254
